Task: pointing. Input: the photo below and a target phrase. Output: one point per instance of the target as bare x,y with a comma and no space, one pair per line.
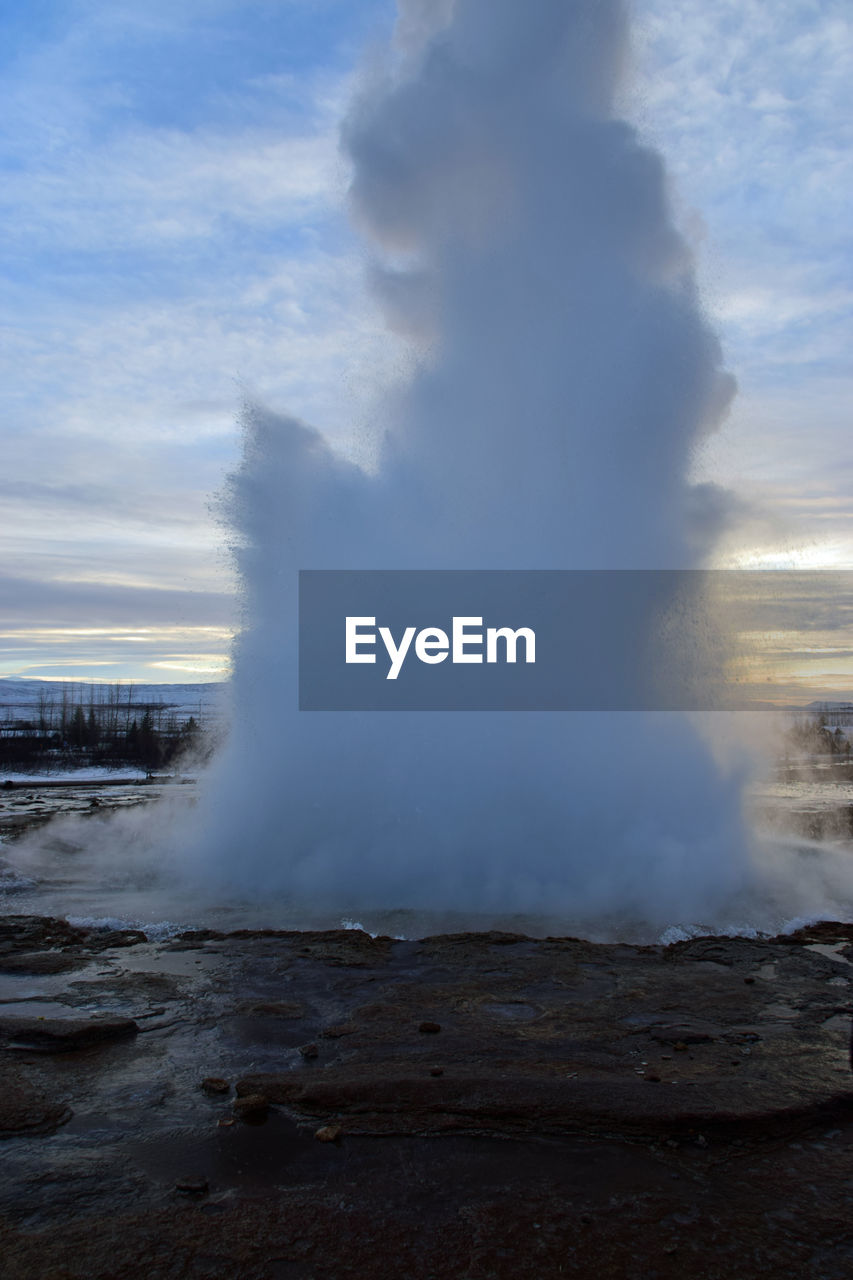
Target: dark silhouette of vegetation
812,734
74,726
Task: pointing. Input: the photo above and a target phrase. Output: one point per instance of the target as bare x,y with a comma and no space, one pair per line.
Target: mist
563,375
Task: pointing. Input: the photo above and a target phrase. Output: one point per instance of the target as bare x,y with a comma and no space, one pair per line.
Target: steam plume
522,240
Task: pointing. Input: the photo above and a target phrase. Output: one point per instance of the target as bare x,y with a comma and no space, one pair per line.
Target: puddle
831,950
36,1007
257,1155
180,964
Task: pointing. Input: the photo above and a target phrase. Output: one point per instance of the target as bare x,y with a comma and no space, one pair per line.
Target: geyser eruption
565,375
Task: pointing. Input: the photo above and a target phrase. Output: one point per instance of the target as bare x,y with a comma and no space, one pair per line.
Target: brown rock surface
585,1110
29,934
561,1035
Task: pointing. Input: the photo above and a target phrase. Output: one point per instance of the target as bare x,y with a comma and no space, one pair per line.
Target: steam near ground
564,375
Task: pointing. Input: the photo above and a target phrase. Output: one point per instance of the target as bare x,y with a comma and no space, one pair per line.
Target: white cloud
164,253
752,105
161,190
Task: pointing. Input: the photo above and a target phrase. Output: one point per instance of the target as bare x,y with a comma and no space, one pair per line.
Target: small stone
253,1107
680,1046
309,1051
436,1071
329,1133
652,1077
749,981
430,1028
215,1084
701,1141
192,1186
275,1009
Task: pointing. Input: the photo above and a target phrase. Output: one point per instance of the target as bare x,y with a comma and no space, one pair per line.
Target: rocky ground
24,806
289,1106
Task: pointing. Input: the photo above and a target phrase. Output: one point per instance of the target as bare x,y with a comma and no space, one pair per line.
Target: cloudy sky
175,240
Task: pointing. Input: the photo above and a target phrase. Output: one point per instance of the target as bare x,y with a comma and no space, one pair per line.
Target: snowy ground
95,773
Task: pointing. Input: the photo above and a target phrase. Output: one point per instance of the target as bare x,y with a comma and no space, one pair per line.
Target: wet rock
344,948
727,952
338,1031
601,1009
25,1109
443,942
41,962
130,987
251,1106
195,936
215,1085
272,1086
102,939
680,1036
192,1185
30,933
329,1133
824,931
563,1086
273,1009
63,1035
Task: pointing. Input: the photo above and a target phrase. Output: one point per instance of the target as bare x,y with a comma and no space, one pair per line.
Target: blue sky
175,237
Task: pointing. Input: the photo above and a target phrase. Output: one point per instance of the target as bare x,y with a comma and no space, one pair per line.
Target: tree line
71,726
813,735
